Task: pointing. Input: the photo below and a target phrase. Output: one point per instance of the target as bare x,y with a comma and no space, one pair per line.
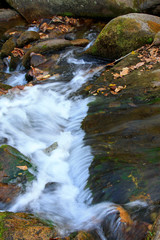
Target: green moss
2,228
150,40
5,86
68,14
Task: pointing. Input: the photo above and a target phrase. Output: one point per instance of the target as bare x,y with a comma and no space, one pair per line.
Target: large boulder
9,18
103,8
125,34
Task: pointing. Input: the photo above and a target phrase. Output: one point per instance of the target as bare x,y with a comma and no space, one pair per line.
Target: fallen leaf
114,93
101,89
124,216
44,27
119,88
124,71
138,65
24,168
18,52
42,77
116,75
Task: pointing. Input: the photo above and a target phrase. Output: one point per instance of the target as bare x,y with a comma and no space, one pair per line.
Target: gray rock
8,19
91,8
45,46
27,37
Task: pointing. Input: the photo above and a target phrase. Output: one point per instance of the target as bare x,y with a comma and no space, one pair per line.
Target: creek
52,112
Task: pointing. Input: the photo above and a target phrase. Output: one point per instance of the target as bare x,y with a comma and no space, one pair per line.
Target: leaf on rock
119,88
17,52
24,168
44,27
138,65
124,71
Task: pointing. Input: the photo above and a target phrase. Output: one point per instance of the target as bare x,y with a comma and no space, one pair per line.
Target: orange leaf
24,168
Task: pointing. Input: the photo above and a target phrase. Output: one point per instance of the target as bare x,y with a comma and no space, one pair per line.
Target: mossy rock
8,47
124,129
11,161
24,226
14,173
125,34
46,46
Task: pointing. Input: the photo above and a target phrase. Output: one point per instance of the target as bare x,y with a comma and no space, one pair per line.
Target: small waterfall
34,119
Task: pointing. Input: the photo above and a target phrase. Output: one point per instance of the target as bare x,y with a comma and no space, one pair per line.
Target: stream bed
86,152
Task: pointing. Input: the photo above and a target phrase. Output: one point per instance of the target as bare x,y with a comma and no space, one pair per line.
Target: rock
14,32
3,77
14,62
125,34
51,148
90,8
37,59
8,47
80,42
44,47
156,41
27,37
13,171
8,19
24,226
154,233
127,135
2,66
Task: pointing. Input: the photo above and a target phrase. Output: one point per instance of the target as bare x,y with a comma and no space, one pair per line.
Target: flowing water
39,116
44,123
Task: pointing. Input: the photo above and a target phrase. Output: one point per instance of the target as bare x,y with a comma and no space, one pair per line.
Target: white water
35,118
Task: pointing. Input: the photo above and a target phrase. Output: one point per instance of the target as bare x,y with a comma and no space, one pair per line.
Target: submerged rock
14,172
125,34
90,8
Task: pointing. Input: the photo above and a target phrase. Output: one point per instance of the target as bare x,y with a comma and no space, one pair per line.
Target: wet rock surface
14,173
9,18
125,125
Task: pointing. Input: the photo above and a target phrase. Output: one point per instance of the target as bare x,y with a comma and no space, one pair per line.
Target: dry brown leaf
116,75
44,27
42,77
124,216
138,65
118,89
27,46
24,168
124,71
101,89
114,93
18,52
